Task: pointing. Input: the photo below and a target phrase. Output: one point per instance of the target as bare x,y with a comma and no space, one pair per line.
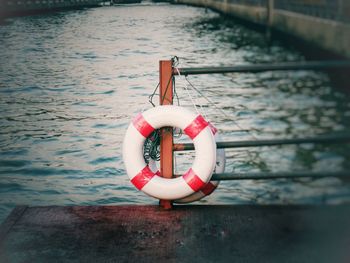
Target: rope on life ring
209,187
140,173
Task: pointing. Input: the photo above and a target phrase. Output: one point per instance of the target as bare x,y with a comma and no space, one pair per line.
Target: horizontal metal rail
259,143
307,65
279,175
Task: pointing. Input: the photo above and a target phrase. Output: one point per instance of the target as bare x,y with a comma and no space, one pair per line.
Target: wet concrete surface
184,234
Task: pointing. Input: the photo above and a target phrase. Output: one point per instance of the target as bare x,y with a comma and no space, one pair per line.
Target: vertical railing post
166,143
269,18
340,10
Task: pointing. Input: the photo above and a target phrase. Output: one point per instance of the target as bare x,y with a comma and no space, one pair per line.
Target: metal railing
275,142
306,65
275,175
249,2
167,73
278,175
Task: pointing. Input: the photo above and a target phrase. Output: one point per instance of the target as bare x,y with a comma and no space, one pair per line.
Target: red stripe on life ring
208,188
142,125
142,178
196,126
193,180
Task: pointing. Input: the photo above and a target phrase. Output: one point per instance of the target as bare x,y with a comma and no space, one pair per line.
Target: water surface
70,82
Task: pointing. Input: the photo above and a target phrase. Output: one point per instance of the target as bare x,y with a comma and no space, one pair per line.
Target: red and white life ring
209,187
139,172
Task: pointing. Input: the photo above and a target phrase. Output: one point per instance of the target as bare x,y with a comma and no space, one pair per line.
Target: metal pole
339,15
307,65
166,143
279,175
269,20
248,143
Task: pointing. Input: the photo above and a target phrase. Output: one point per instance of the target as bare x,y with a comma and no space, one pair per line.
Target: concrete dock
27,7
185,234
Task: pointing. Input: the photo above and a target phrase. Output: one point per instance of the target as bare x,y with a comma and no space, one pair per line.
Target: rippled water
71,81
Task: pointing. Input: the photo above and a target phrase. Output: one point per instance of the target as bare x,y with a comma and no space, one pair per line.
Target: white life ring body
140,173
209,187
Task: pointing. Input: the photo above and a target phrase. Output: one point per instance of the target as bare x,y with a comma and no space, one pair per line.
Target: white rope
200,94
219,109
188,93
203,111
194,100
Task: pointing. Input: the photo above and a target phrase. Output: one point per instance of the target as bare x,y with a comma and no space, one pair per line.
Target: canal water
70,82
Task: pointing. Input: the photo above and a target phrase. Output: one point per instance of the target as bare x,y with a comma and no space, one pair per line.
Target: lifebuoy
209,187
140,173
